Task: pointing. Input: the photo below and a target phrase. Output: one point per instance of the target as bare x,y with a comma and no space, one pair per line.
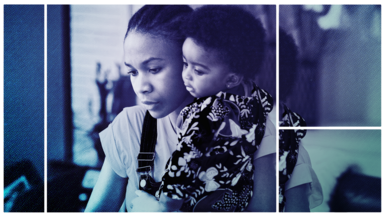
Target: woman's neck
174,115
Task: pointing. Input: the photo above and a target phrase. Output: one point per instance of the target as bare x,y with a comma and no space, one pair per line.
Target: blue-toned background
24,97
24,84
348,166
338,77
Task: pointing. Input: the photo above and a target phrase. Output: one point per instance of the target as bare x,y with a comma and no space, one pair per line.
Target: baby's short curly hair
236,34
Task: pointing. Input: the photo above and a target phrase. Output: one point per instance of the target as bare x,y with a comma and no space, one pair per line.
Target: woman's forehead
139,47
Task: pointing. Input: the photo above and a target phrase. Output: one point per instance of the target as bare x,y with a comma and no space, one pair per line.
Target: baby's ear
233,80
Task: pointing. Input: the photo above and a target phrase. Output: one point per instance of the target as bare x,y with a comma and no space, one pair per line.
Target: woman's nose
144,84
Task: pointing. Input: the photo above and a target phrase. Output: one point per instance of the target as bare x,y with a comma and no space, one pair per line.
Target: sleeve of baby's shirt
303,173
267,145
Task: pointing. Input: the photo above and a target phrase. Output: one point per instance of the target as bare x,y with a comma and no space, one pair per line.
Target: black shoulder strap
146,155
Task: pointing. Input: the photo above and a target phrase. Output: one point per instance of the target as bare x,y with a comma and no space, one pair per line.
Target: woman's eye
132,73
154,70
185,65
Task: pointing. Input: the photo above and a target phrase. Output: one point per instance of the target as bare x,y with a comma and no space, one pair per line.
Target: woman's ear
233,80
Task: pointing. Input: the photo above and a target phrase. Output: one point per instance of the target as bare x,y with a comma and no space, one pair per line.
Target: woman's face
155,66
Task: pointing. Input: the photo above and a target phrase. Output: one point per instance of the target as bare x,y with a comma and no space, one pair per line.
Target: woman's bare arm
264,197
146,202
170,204
109,191
296,199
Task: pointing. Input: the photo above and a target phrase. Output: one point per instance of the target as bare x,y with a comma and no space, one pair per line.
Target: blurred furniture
69,186
23,188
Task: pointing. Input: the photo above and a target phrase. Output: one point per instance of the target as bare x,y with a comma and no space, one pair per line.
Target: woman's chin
157,114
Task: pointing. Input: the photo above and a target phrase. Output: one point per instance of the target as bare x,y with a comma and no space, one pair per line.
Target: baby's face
204,74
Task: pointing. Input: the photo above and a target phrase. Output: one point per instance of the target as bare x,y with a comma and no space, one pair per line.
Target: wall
24,84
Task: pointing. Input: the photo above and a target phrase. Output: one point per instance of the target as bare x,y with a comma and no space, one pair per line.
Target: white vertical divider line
45,108
382,136
2,106
382,110
277,106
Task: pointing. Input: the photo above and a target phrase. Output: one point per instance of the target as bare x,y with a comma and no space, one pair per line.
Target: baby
221,130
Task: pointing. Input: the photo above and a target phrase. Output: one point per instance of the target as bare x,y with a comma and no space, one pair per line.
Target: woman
153,51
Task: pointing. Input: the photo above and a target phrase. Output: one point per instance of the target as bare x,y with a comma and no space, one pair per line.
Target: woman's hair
236,35
288,52
161,20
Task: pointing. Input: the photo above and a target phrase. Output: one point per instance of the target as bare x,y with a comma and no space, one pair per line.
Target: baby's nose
186,74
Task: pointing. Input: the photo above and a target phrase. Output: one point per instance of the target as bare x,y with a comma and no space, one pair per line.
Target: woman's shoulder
130,115
132,111
121,138
304,174
128,121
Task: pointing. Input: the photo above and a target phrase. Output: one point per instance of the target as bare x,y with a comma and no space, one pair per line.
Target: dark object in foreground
66,192
23,188
356,192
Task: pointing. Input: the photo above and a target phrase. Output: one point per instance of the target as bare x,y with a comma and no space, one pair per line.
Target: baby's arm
264,197
264,189
170,204
297,199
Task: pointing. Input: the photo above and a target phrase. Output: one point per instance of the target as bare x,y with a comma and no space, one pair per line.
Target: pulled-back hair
161,20
236,35
288,52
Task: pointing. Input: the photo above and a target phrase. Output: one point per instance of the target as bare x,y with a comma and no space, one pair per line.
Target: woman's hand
146,202
109,191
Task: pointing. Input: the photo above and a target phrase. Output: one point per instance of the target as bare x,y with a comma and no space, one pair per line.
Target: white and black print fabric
288,149
214,155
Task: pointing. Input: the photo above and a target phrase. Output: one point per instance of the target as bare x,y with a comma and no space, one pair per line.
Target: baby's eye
132,73
154,70
198,72
185,65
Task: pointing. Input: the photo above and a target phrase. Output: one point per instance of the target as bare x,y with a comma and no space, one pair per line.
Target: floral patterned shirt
215,149
288,149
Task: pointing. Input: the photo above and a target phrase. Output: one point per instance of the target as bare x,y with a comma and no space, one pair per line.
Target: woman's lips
149,104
